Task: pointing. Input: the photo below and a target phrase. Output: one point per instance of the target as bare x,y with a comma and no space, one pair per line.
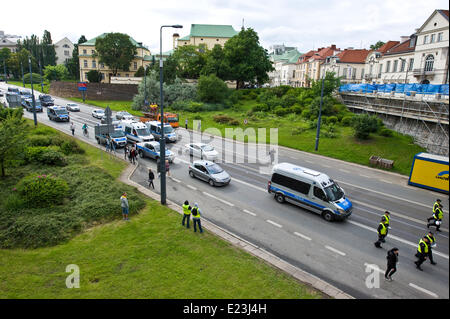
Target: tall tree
377,45
248,60
5,54
73,64
189,60
216,64
48,53
116,51
16,59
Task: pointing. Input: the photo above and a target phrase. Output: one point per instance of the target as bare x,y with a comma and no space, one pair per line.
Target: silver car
72,107
209,172
98,113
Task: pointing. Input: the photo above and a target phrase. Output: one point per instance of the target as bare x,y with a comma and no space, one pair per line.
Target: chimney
333,47
175,37
404,38
349,48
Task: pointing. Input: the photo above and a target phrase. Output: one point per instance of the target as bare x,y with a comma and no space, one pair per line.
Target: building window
66,52
362,73
394,68
65,46
433,37
425,39
429,61
84,51
92,51
217,40
388,66
135,65
102,65
127,75
411,64
380,70
440,36
94,64
85,63
402,66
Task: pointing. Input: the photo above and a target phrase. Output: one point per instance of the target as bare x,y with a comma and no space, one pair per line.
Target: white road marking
424,290
335,250
192,187
273,223
324,165
395,238
343,170
175,180
302,236
249,212
364,176
248,184
375,268
385,181
219,199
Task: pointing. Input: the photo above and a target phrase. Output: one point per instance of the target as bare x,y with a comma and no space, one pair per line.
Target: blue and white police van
58,113
136,132
155,128
310,190
152,150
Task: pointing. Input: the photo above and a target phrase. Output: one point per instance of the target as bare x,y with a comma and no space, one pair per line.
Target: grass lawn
151,256
36,86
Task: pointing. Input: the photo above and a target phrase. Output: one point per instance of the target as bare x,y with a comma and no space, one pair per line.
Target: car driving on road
46,100
209,172
73,107
28,105
98,113
124,115
152,149
201,150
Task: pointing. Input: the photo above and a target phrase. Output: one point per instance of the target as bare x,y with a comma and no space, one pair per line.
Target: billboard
430,171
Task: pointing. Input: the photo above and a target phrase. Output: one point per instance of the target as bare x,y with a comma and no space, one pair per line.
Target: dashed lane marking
273,223
302,236
335,250
192,187
249,212
219,199
424,290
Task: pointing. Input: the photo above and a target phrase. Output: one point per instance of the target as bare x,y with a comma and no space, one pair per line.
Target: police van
310,190
58,113
136,132
155,129
152,150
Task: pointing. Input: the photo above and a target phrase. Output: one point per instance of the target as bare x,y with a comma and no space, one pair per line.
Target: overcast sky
305,24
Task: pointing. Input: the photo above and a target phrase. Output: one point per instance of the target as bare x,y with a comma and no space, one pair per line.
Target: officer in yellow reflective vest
382,232
196,218
386,219
438,214
186,213
422,252
432,243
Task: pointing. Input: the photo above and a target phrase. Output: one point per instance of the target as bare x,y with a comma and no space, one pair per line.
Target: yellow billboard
431,172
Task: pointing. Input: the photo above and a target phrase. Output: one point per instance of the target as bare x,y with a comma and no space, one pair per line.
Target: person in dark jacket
392,259
151,177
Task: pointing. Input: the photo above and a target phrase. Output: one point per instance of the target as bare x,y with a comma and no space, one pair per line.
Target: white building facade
64,50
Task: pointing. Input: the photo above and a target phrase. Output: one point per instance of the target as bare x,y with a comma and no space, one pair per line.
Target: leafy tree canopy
116,51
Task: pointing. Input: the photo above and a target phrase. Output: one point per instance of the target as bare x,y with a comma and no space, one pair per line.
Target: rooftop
353,56
91,42
210,31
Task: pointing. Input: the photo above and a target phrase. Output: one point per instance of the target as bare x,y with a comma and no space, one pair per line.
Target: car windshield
47,98
334,192
207,148
168,129
60,112
214,169
101,112
117,134
143,131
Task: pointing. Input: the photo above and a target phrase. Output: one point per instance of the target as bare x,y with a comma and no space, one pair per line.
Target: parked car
209,172
46,100
13,90
98,113
201,150
121,114
151,149
73,107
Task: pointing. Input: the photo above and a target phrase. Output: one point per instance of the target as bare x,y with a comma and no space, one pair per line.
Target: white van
155,129
309,189
135,131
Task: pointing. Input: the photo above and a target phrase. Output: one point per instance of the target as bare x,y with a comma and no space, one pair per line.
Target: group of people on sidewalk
424,248
195,212
131,153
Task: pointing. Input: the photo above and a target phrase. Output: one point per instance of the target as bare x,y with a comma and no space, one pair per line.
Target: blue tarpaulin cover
396,87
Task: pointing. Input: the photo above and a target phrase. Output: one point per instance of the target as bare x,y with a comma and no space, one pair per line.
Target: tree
94,76
140,72
248,60
188,60
56,73
5,54
16,59
364,124
116,51
13,133
330,83
216,63
211,89
73,64
47,50
377,45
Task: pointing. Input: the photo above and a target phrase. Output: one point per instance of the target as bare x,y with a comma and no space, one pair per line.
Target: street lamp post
162,141
32,93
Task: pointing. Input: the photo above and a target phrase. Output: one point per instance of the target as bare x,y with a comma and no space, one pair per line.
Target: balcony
423,71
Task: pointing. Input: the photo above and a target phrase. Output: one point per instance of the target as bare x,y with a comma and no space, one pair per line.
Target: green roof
91,42
290,56
210,31
164,55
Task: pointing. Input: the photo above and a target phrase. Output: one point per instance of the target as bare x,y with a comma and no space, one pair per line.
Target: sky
304,24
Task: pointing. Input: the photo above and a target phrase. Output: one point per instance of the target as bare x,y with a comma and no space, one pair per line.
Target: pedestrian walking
386,219
382,232
124,205
107,143
132,155
392,259
186,123
72,128
196,218
186,213
158,167
431,244
436,219
422,252
167,168
112,147
125,151
151,177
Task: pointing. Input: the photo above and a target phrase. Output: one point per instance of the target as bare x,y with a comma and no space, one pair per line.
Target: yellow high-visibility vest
383,229
438,214
419,249
195,213
186,209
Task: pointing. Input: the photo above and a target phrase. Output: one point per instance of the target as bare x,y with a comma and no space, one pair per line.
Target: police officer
196,217
437,215
422,252
432,243
186,213
382,232
386,219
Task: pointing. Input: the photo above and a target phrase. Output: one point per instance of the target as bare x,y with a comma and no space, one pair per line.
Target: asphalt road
341,253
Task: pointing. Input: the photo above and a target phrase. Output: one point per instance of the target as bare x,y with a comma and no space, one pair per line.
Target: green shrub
45,155
211,89
195,107
36,78
386,132
39,140
260,108
42,190
332,119
306,113
347,120
281,111
297,109
364,124
71,147
197,117
234,122
329,131
13,202
222,119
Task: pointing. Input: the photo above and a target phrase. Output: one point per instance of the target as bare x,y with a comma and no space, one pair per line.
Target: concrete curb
241,243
